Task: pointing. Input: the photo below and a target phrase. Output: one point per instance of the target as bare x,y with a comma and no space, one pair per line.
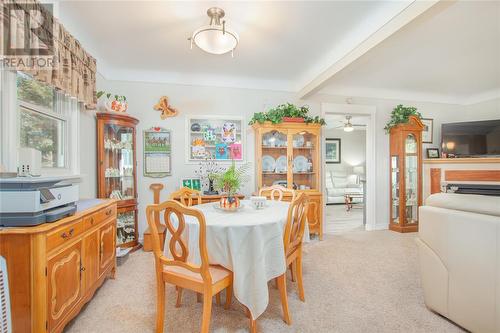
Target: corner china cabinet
288,154
116,165
406,175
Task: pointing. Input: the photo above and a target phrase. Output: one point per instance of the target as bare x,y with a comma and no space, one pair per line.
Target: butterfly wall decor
166,109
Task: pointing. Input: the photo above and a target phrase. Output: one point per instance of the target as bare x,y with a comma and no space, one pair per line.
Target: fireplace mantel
461,160
440,171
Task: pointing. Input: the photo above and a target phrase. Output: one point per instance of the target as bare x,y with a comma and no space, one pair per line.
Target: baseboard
377,226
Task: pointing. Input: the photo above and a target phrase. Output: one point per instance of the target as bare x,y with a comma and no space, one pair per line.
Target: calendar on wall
157,152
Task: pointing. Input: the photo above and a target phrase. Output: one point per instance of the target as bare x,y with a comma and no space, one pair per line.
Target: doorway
349,167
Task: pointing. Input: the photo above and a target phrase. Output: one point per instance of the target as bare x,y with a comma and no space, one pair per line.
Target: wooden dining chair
204,279
277,192
186,196
292,239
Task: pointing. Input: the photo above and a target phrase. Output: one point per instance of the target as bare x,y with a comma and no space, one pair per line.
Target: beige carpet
354,282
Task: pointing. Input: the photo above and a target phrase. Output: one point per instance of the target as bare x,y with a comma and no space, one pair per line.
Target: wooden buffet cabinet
55,268
294,148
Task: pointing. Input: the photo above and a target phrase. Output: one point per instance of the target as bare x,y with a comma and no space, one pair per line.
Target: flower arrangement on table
230,182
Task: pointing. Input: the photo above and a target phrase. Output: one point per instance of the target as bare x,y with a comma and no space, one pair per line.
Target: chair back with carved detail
276,192
173,215
296,222
186,196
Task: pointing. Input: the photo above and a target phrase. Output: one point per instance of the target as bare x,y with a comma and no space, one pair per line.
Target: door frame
370,151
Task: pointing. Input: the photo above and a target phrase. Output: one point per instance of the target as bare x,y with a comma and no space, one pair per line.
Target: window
40,125
35,115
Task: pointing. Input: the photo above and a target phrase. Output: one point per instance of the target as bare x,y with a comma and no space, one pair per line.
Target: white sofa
338,182
459,251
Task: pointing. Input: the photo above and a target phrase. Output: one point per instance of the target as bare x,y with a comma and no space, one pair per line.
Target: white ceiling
450,54
283,45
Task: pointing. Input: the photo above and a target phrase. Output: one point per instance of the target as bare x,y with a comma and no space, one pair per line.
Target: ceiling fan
348,126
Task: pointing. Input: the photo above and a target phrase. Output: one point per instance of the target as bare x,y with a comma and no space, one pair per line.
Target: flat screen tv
471,139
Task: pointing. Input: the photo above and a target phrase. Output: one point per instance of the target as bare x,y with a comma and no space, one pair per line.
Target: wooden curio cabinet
288,154
406,175
117,171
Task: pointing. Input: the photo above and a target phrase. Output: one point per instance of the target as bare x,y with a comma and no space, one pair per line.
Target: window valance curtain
74,70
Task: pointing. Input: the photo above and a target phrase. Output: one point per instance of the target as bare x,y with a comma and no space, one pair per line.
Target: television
471,139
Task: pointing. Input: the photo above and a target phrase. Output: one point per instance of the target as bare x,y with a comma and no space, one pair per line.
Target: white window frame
10,127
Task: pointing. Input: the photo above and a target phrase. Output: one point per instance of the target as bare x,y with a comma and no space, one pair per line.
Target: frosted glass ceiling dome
215,38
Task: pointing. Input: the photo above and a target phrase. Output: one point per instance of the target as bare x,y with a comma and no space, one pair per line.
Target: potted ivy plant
111,102
286,113
401,115
229,182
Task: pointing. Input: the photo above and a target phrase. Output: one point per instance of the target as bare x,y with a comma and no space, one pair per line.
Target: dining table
248,242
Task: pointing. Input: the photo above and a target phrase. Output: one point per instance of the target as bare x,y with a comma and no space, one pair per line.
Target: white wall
353,145
189,100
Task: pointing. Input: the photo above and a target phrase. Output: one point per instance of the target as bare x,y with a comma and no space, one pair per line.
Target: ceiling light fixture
215,38
348,126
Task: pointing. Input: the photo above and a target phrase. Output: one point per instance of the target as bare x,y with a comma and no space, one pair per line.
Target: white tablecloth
249,243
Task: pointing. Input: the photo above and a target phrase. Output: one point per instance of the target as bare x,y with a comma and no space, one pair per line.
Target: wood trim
461,160
435,180
472,175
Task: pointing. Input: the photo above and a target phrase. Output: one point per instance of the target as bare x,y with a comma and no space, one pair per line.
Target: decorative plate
268,163
228,210
300,164
298,140
281,164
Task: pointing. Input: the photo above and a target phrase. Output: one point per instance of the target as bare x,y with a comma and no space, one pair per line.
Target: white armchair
459,252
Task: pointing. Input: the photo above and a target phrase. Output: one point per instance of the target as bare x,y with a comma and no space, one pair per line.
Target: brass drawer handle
92,220
108,212
64,235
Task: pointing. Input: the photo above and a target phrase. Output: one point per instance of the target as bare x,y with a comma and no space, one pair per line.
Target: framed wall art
157,152
220,138
428,128
193,183
332,151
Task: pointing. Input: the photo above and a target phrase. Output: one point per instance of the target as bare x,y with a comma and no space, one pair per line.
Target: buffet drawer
99,217
64,234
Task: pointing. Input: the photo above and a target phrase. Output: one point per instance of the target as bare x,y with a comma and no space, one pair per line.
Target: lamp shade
358,170
213,39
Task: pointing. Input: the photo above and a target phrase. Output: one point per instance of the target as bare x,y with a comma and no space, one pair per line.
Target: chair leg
207,312
292,271
217,299
179,297
198,297
229,297
160,306
284,299
252,326
300,282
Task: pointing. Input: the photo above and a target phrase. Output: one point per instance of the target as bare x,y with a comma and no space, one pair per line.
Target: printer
29,201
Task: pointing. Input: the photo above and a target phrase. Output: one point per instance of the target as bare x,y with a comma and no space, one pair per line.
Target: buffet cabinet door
107,239
64,274
90,261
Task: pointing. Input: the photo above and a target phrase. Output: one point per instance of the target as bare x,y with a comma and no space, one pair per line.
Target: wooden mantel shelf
461,160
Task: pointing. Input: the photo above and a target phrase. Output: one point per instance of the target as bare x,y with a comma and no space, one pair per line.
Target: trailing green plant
119,98
401,115
231,180
289,110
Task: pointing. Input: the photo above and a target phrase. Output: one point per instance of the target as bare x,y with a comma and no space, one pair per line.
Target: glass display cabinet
288,154
406,175
116,166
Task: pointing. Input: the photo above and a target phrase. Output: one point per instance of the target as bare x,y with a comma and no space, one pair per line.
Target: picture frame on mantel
432,152
332,151
428,129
